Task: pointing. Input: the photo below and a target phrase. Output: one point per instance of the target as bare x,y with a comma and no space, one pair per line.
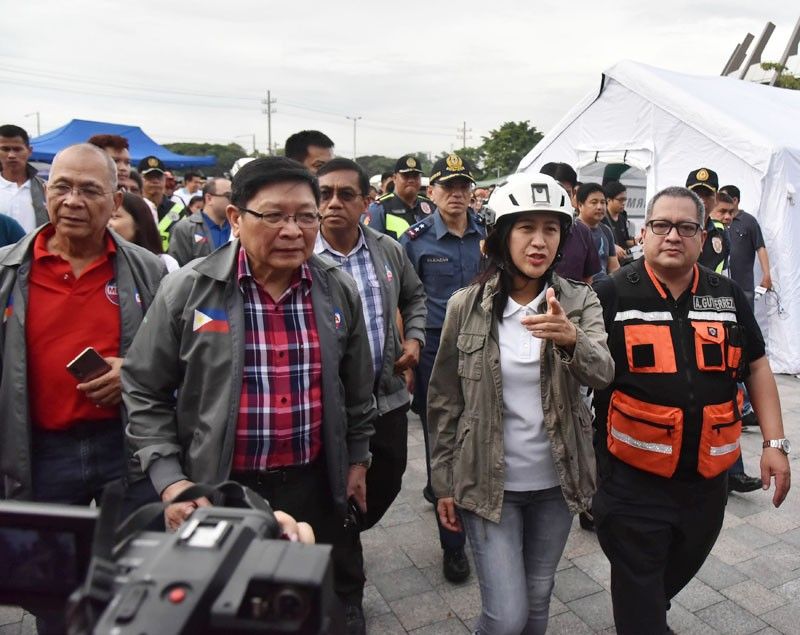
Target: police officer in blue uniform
445,249
395,212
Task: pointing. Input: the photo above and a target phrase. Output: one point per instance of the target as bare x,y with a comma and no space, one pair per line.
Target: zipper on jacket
663,426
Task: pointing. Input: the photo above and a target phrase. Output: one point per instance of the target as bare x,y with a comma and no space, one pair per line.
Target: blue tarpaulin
79,131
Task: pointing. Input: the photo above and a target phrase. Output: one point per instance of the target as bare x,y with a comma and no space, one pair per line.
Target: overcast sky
414,71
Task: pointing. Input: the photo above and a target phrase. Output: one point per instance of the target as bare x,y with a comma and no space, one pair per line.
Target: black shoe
586,520
749,420
455,565
354,620
427,494
743,483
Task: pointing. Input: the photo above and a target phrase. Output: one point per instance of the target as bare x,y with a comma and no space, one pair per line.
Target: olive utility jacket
465,400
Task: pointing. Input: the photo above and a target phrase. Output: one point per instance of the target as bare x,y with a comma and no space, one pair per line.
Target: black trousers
304,493
389,448
656,533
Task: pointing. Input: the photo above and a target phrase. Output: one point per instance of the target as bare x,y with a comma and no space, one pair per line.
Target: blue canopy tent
46,146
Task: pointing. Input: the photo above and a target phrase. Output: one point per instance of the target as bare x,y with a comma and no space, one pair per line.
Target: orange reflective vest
674,408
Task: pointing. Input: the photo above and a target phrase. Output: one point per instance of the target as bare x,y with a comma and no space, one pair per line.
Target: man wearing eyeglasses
386,282
668,426
201,233
70,285
254,364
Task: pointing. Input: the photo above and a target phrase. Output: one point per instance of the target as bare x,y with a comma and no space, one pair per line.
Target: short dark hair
613,189
732,191
724,197
586,190
104,141
135,176
146,231
266,171
341,163
191,175
676,191
560,172
9,131
297,145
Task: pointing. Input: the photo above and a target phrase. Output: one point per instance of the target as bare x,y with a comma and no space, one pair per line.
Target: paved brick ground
750,583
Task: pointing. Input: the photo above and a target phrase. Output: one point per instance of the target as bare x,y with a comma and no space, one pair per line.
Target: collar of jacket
490,289
223,262
21,251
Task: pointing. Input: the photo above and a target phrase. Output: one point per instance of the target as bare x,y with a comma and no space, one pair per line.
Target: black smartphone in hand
88,365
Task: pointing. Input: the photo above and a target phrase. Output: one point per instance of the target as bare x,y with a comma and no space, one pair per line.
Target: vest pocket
645,435
709,345
649,348
719,438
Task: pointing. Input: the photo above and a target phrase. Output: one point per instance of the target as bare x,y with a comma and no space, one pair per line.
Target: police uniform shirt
444,262
394,205
717,248
746,239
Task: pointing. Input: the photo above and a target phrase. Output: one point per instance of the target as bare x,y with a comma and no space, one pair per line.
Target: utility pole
268,111
354,119
38,127
462,131
251,136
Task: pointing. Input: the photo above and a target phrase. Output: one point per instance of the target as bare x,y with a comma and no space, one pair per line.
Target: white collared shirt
528,456
15,201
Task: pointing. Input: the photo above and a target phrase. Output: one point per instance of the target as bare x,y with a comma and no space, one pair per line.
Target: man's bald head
80,150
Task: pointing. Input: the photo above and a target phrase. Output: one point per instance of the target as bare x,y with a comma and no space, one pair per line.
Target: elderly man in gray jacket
69,285
386,281
254,364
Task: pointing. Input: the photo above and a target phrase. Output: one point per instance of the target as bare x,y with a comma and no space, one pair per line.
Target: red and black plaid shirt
280,410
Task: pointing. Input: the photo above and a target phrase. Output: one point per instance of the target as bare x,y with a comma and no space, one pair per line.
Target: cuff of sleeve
358,450
416,334
164,472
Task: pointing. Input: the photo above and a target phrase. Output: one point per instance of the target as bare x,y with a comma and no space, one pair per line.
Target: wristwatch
782,444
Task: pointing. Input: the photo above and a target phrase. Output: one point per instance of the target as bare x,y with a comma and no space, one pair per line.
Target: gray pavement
749,584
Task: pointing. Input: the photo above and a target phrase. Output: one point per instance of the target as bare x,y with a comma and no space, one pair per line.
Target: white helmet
239,164
530,192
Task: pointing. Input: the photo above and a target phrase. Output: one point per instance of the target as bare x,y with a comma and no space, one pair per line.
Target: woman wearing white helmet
512,438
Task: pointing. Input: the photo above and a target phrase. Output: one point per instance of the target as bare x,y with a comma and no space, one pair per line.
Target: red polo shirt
66,314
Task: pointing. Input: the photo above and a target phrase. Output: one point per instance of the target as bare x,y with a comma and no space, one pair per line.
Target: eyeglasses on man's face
304,220
686,229
344,194
86,192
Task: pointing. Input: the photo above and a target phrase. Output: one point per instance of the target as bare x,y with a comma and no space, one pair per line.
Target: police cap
450,167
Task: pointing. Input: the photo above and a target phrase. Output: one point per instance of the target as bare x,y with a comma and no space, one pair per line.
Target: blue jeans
516,560
74,466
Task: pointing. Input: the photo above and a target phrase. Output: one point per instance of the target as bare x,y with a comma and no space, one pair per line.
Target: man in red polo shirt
70,285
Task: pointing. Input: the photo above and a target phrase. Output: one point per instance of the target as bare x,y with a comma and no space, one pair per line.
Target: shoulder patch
418,229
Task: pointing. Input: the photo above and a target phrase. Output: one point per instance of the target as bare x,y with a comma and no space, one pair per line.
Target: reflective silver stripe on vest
712,316
719,450
661,448
647,316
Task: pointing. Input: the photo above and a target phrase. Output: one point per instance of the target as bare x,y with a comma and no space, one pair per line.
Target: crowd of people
560,362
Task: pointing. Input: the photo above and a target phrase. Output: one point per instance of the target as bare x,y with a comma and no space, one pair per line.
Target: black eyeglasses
346,195
685,229
304,220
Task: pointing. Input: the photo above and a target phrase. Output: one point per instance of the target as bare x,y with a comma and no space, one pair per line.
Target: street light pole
354,119
38,127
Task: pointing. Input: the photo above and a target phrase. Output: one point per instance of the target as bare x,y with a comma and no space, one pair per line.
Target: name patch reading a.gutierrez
707,303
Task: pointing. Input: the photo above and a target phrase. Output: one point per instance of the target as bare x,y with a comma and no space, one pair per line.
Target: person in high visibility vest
154,178
668,426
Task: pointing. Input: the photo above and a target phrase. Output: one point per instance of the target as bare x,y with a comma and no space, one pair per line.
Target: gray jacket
38,199
190,239
465,400
138,273
182,388
400,287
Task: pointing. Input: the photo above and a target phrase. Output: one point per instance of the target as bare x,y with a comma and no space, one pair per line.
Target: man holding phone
74,295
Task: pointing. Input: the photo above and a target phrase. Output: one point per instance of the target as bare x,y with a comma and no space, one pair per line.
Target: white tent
666,124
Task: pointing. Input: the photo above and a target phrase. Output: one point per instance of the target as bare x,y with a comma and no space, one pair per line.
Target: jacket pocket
719,438
709,346
470,355
645,435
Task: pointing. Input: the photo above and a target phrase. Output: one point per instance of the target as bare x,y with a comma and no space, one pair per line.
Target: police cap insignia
151,164
407,163
450,167
411,162
454,163
702,174
703,177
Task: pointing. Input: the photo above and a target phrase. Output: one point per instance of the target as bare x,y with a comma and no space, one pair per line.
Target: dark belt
82,429
280,475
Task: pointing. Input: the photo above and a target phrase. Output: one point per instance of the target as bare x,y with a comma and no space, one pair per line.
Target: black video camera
223,571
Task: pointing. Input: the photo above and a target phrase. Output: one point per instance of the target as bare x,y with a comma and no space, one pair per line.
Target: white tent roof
668,123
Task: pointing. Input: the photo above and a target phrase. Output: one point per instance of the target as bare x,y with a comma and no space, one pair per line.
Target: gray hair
678,192
88,147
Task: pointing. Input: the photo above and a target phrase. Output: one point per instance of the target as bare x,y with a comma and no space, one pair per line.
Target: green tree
376,164
505,147
225,154
785,79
